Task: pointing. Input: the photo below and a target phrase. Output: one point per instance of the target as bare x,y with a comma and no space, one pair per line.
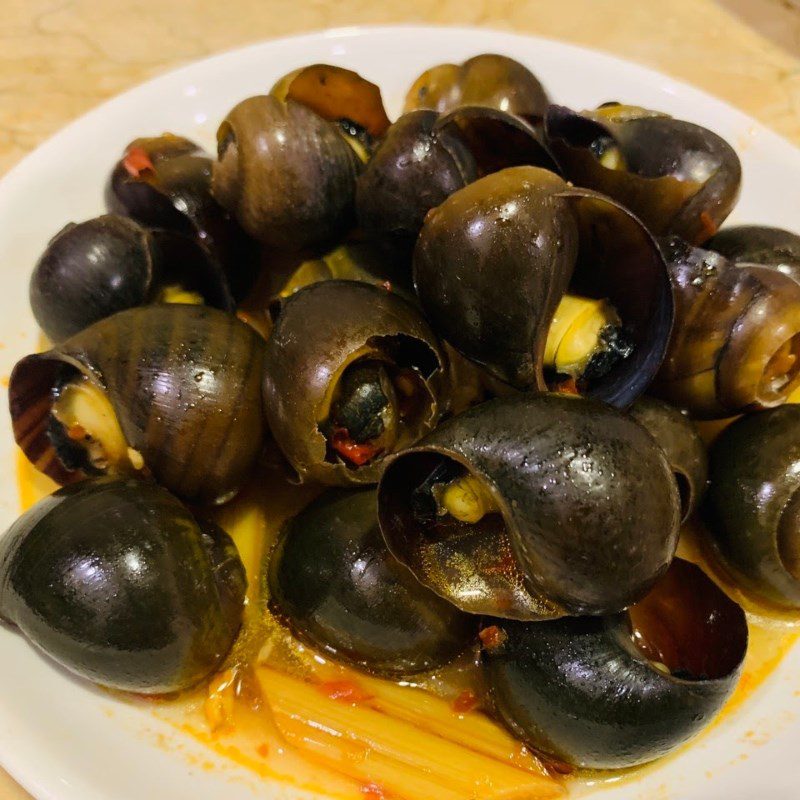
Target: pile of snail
488,328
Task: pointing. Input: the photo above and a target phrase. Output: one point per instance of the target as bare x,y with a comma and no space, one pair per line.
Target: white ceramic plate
62,739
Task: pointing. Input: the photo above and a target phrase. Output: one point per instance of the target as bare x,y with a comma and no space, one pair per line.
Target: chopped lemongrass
387,741
219,704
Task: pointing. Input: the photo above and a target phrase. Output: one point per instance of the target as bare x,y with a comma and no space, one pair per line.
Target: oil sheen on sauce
289,714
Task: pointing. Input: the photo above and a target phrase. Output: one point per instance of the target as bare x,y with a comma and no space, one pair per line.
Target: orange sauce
251,739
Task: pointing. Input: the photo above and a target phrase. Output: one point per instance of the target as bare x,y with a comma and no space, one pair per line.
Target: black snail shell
679,178
614,692
496,139
722,359
495,259
286,174
760,244
164,182
679,439
753,504
95,268
181,384
425,157
352,373
533,507
414,169
120,584
338,587
488,79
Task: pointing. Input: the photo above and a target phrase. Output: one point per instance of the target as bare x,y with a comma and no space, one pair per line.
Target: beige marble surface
59,58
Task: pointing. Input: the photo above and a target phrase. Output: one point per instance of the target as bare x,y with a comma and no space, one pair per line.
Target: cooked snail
333,580
488,80
93,269
617,691
120,584
339,95
679,178
168,390
753,506
165,182
285,173
533,507
424,158
352,373
493,266
736,339
679,439
414,169
760,244
497,139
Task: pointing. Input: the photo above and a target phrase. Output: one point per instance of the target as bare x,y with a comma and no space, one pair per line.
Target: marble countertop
59,58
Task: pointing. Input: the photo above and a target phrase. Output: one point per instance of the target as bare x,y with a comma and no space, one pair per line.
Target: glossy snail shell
184,382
